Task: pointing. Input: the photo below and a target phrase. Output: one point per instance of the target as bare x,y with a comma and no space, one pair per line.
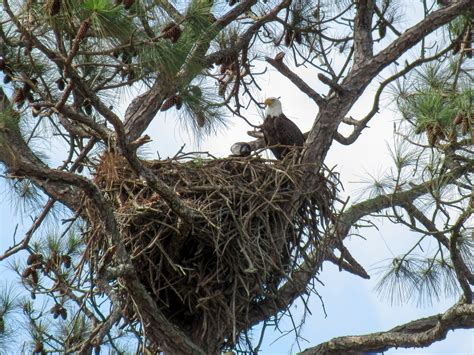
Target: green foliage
199,104
435,99
163,57
108,20
413,278
399,280
9,119
432,108
74,331
25,195
8,305
116,48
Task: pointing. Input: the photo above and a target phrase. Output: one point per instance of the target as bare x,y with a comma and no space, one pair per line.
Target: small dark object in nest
207,275
241,149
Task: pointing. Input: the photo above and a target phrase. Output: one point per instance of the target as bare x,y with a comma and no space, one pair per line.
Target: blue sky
352,305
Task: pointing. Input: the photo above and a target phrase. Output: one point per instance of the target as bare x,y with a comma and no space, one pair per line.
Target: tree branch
351,267
144,107
295,79
325,126
357,79
399,198
419,333
363,43
296,286
360,125
463,274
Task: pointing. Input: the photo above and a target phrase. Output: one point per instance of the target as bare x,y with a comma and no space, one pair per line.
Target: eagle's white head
272,107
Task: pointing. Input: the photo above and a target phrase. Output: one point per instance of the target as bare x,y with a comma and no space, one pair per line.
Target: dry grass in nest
206,276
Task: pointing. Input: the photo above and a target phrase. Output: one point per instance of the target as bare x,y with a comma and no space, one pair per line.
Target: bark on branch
419,333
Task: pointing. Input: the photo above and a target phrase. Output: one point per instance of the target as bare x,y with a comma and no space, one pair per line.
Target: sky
352,305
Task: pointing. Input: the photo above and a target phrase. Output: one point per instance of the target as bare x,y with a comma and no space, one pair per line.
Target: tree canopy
188,254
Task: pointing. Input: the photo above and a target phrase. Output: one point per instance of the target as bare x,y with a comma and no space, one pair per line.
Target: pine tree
187,254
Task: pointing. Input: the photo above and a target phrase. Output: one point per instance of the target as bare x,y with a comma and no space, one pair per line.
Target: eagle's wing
272,136
279,132
288,132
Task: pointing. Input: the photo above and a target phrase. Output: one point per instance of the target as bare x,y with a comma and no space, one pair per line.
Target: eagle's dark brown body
279,132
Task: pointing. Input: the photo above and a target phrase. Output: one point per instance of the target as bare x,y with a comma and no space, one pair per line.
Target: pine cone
127,4
63,313
200,118
18,97
34,259
179,102
222,88
431,135
439,131
298,37
81,33
171,31
458,119
170,102
38,348
66,260
382,28
54,7
26,273
34,277
465,125
288,37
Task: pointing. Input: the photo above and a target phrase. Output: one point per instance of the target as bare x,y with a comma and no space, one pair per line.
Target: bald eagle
279,132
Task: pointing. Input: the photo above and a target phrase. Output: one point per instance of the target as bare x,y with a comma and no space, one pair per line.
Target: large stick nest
207,275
